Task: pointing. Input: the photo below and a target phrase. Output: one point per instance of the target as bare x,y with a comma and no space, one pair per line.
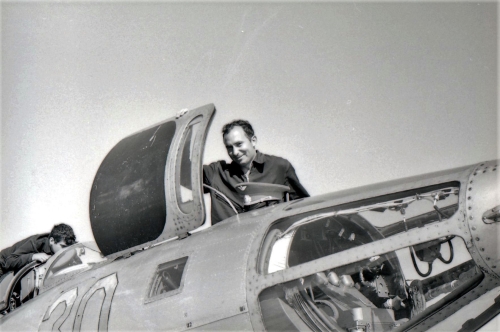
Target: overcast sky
350,93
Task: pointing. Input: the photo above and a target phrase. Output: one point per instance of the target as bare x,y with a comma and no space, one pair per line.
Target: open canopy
148,188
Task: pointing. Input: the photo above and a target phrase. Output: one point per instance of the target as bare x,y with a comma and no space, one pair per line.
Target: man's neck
245,169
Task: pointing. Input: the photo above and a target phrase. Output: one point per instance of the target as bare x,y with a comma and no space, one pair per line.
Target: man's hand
41,257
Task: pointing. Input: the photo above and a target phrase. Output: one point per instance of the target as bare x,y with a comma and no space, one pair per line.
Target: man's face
57,246
239,148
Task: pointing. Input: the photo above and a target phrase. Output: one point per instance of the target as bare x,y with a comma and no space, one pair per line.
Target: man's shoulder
25,242
216,166
42,236
34,237
275,159
37,238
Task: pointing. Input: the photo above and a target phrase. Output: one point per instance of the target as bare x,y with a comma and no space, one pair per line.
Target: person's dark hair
63,232
245,125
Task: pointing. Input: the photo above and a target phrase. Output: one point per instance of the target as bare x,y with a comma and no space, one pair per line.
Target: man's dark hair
245,125
63,232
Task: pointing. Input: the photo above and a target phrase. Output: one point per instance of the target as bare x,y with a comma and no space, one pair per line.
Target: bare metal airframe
396,256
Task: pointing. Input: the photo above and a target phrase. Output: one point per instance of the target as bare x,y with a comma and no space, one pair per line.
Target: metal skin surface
481,197
221,283
219,296
458,225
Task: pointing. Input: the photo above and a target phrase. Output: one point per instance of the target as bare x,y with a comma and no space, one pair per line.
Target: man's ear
254,140
51,240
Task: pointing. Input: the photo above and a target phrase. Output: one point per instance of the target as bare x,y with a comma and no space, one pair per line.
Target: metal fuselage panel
213,285
457,225
221,281
482,196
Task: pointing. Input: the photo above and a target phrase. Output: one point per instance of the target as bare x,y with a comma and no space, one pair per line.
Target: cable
223,196
440,257
334,309
423,275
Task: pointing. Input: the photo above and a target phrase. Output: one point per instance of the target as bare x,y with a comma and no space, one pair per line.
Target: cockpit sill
379,189
340,198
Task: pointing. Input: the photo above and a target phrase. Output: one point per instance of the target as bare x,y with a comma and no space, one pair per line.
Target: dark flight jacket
265,169
21,253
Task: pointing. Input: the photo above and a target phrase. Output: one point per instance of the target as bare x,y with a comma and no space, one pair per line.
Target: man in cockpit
36,248
248,165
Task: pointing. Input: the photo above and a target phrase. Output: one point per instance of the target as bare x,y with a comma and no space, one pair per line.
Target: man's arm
41,257
207,175
22,256
296,188
17,260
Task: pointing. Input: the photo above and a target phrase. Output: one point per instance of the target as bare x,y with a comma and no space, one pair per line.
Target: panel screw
477,239
242,309
487,258
189,324
482,249
473,228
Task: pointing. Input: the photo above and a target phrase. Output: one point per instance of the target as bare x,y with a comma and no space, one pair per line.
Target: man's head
60,237
240,142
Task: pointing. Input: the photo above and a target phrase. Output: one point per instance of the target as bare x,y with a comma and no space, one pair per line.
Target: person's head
60,237
240,141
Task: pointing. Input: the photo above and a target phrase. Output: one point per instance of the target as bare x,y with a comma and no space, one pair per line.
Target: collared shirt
21,253
265,169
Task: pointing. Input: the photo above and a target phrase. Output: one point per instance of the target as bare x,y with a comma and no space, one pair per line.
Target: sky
351,93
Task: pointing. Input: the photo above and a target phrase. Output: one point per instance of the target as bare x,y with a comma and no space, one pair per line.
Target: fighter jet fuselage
401,255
